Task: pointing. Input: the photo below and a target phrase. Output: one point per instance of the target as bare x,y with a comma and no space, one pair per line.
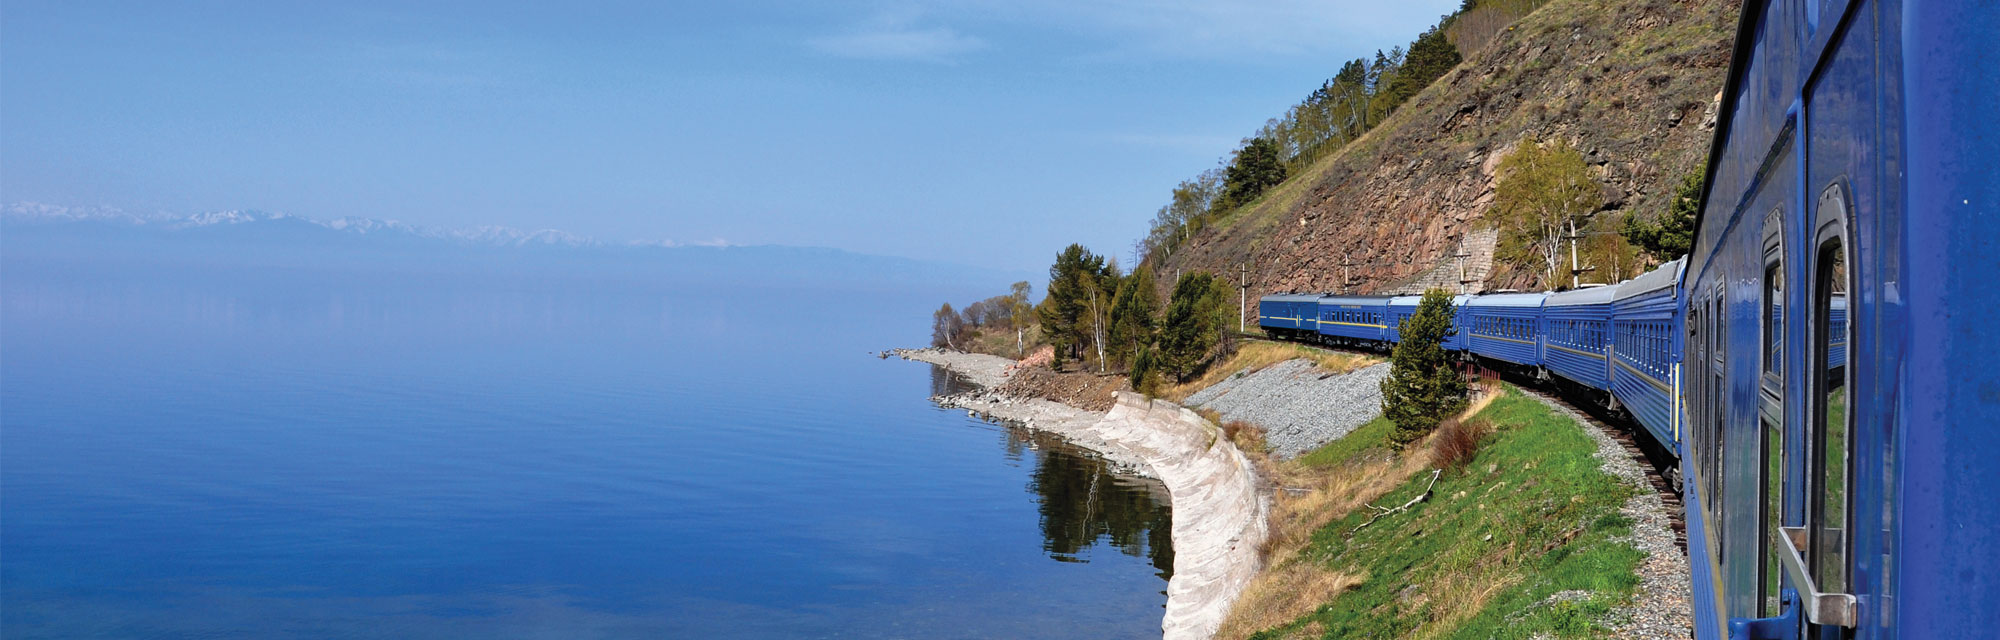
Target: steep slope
1630,83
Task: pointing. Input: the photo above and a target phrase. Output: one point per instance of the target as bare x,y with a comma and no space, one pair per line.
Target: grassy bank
1523,540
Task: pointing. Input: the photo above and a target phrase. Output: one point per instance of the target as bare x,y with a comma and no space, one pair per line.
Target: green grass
1372,436
1530,517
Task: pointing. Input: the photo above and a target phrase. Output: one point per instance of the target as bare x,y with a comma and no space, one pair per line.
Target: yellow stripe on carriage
1353,324
1586,354
1662,386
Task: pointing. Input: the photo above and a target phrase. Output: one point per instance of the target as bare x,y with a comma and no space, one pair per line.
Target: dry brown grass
1254,356
1248,438
1284,594
1308,498
1457,441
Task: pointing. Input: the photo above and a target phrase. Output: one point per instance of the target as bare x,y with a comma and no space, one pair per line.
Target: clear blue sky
982,132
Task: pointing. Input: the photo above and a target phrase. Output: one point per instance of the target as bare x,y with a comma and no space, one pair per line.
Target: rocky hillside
1630,83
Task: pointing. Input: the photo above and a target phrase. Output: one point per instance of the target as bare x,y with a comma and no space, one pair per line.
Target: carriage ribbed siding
1577,336
1646,350
1354,319
1506,327
1402,307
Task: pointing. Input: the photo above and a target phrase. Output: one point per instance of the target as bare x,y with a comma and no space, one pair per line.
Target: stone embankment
1301,407
1219,516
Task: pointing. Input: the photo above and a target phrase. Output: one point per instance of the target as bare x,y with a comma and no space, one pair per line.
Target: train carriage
1839,451
1646,351
1289,314
1355,320
1506,327
1402,307
1577,336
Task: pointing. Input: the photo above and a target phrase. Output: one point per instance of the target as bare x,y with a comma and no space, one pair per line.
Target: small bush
1457,442
1247,437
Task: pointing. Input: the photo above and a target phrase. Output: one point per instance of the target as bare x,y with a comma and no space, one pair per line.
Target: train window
1774,316
1827,545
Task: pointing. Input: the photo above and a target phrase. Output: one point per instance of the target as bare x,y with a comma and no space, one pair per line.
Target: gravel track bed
1660,608
1300,407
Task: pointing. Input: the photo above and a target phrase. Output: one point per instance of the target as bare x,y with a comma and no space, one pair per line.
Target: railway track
1621,431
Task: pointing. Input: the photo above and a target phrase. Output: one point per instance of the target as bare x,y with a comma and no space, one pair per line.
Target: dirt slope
1631,83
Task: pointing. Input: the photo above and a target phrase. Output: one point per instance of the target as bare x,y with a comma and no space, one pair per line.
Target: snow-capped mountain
496,236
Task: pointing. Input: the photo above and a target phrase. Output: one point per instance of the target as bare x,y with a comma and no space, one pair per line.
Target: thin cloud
897,37
1229,30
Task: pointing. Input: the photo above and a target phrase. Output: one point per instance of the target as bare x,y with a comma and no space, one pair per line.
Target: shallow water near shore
307,455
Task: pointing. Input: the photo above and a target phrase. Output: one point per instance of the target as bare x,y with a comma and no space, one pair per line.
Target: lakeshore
1219,510
1612,566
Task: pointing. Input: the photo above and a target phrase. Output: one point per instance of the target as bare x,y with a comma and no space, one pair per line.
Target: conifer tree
1193,325
1258,166
1672,235
1132,315
1065,311
1422,389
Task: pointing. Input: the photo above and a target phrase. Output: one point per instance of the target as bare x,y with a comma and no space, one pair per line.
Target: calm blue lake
257,454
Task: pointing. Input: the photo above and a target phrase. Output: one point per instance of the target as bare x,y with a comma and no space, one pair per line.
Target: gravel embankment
1299,406
1660,610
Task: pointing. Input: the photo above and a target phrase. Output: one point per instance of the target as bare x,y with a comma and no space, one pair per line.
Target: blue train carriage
1576,342
1288,315
1646,352
1841,458
1402,307
1507,328
1354,320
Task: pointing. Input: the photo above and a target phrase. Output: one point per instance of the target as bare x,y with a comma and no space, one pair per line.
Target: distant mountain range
495,236
44,238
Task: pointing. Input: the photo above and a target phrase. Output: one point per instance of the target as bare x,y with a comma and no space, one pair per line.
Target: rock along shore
1219,516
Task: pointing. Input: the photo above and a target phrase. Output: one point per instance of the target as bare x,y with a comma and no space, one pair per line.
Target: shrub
1457,442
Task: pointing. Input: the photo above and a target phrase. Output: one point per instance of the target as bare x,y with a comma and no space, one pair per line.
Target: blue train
1820,365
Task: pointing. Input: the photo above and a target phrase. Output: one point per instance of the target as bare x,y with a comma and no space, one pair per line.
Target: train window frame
1770,315
1831,220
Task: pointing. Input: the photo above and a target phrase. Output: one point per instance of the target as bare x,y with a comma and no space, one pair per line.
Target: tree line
1095,316
1006,313
1100,318
1363,94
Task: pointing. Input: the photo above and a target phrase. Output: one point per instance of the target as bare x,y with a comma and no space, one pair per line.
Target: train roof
1291,297
1580,297
1508,300
1355,300
1668,275
1411,301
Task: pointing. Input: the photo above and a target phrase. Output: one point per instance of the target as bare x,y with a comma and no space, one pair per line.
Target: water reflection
1082,500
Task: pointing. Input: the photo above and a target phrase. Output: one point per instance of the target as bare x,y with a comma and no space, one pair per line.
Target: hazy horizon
990,134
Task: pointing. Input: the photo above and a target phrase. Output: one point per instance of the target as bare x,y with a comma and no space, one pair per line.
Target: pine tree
1193,325
1132,315
1422,388
1065,312
1258,166
1673,234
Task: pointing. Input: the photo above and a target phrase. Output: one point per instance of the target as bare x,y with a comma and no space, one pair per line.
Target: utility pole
1574,269
1573,280
1461,256
1242,296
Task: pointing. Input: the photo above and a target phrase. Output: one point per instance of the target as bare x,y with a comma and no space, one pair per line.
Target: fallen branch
1383,513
